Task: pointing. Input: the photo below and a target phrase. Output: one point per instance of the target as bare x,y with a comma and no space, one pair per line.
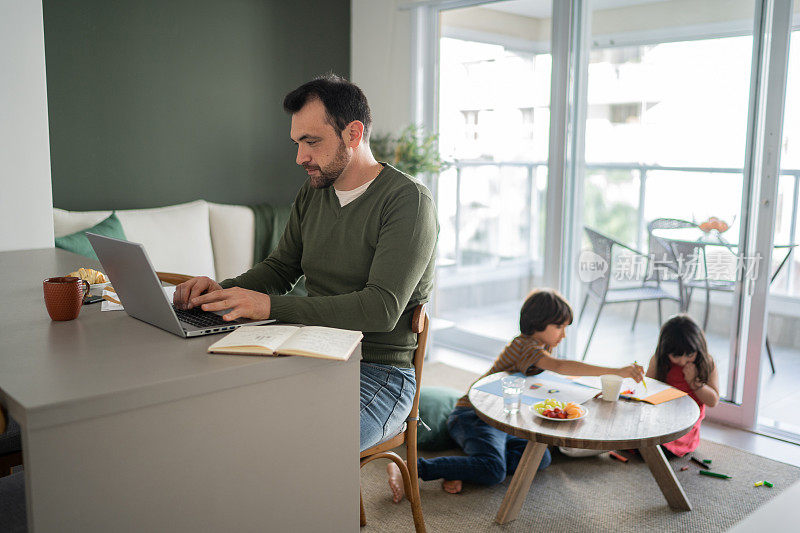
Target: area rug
594,494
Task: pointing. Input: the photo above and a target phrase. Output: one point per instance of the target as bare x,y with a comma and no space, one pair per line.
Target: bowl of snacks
558,411
96,279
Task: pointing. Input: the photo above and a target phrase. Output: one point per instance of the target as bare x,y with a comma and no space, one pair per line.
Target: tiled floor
615,344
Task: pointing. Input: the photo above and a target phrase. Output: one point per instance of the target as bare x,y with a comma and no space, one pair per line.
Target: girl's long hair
681,335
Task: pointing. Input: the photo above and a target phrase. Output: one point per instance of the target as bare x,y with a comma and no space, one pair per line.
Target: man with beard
362,233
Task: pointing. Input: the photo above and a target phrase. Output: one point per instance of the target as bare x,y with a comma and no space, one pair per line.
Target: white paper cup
611,387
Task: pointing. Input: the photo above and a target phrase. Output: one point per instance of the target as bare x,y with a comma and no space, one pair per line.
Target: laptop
129,269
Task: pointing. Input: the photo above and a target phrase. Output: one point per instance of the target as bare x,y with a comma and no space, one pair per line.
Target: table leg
665,478
521,482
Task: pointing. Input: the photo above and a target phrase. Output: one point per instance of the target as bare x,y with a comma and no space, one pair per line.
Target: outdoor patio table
728,239
607,426
714,238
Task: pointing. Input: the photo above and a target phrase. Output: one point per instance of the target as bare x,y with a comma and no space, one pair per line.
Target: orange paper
664,396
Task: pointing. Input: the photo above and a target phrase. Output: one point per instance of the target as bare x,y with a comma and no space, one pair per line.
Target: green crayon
714,474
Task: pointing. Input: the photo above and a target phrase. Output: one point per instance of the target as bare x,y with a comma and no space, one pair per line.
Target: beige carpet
594,494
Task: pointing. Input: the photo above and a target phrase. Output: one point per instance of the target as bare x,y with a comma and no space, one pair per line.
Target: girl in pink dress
682,360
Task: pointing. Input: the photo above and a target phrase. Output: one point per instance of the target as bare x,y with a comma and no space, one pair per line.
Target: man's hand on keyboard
192,289
243,303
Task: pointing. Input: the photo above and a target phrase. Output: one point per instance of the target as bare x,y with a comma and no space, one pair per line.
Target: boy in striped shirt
492,454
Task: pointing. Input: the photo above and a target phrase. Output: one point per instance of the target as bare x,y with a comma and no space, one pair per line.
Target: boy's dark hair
681,335
542,308
343,101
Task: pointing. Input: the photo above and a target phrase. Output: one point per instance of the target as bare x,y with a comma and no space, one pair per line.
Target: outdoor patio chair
600,289
660,256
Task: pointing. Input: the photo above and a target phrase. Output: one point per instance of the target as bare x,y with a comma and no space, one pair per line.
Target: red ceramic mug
63,296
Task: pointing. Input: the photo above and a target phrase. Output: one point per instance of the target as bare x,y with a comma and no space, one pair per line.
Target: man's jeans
491,453
387,393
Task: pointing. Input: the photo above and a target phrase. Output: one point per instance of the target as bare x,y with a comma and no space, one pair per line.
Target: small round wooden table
607,426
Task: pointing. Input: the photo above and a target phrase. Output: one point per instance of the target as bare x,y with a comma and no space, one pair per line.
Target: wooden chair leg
411,488
404,472
363,516
414,497
9,461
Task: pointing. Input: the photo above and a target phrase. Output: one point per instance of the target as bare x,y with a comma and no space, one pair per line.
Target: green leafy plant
411,151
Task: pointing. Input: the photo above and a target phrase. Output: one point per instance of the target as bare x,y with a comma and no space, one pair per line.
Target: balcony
492,242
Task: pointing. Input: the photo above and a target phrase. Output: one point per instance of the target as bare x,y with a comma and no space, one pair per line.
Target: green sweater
367,264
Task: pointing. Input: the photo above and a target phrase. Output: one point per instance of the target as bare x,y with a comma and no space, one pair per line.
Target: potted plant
411,151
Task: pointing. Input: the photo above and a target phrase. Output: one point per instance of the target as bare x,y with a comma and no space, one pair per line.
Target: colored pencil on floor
714,474
618,457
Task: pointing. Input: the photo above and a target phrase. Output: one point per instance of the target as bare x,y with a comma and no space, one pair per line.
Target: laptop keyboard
198,317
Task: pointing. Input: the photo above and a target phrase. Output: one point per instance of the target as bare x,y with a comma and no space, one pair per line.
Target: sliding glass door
650,126
666,137
673,193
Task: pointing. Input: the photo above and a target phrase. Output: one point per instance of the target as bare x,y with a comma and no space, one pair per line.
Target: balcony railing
534,198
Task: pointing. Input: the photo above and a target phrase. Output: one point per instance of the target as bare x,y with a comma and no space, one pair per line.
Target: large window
493,123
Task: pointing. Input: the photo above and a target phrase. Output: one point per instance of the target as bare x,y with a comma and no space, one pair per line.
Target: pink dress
690,441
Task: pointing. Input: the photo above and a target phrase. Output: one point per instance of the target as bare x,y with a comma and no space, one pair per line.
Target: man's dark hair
343,101
542,308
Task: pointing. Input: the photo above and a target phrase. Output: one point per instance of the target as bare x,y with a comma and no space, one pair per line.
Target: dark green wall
155,102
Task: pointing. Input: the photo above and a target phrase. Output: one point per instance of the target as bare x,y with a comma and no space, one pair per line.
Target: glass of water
512,393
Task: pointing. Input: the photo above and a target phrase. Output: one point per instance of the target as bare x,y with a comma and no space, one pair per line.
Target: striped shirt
521,355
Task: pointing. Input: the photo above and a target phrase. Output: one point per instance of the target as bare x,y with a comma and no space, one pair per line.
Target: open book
309,341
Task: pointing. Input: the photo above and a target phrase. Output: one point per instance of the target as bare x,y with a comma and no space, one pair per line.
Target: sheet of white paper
653,386
591,381
541,387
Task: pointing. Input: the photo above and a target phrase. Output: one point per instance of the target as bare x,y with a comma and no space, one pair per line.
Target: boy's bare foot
395,482
453,486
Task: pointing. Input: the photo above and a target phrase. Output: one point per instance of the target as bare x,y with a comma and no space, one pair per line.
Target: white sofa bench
197,238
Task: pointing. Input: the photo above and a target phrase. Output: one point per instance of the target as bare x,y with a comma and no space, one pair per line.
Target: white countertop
102,362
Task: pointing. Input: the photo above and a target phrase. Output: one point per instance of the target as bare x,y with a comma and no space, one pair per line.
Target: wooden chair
170,277
12,496
10,445
382,450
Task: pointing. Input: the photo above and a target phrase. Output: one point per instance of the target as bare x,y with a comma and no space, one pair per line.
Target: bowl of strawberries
559,411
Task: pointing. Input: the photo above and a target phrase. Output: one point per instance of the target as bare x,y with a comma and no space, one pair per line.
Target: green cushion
78,242
435,405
